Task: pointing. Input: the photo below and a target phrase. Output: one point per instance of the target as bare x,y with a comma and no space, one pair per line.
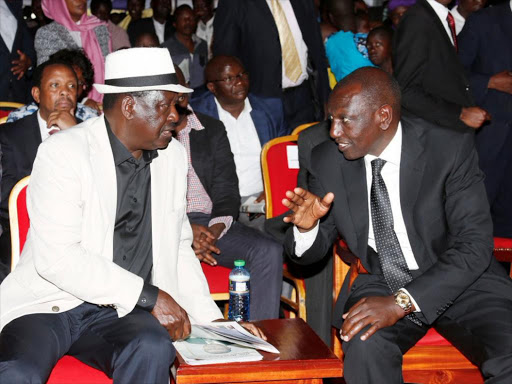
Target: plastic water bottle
239,296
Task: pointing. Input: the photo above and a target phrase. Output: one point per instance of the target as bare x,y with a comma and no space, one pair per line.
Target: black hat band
144,81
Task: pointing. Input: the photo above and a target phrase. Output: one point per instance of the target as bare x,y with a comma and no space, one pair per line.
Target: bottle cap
239,263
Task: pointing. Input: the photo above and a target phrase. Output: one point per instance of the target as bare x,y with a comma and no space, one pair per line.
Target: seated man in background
213,202
77,59
55,90
188,51
250,122
107,273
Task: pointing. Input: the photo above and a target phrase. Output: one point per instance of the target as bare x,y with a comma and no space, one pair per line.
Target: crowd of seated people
258,70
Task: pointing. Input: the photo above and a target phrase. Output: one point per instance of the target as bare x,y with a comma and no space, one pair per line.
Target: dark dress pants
131,349
479,324
263,259
298,105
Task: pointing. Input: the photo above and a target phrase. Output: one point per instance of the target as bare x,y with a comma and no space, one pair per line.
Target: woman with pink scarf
73,29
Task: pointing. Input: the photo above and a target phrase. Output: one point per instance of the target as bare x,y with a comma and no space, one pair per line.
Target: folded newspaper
222,342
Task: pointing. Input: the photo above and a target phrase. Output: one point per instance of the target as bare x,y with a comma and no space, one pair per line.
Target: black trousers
298,105
263,258
131,349
479,324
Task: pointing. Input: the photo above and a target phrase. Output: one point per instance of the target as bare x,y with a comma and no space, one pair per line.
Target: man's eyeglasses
232,79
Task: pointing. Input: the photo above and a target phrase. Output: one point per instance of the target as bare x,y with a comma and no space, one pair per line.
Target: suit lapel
34,139
261,124
160,195
412,166
103,167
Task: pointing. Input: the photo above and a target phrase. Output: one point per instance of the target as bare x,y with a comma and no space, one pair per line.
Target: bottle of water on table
239,296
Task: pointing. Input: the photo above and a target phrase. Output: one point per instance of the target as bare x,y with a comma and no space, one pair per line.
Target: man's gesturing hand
379,312
171,316
307,208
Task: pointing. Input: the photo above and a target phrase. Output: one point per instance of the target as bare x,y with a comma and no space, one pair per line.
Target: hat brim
103,88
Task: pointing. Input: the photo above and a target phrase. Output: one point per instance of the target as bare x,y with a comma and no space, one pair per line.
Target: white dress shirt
245,145
302,49
159,30
45,131
205,32
391,175
8,25
459,19
442,12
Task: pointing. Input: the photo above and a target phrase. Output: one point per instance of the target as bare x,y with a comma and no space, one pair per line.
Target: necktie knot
377,165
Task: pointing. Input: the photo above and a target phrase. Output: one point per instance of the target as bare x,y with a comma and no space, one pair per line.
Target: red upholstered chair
6,107
280,165
302,127
433,359
218,282
68,369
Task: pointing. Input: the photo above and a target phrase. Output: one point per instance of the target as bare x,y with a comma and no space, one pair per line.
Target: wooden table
304,359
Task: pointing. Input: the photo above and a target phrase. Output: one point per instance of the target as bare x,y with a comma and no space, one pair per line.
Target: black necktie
392,261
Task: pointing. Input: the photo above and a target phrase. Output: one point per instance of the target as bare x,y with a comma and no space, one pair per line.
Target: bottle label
239,286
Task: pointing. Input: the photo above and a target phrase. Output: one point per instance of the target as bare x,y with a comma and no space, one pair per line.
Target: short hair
216,64
383,31
79,58
180,9
110,99
378,87
39,71
208,2
95,4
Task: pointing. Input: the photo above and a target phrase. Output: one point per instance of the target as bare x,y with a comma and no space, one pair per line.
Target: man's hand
92,104
379,312
204,244
21,66
253,329
501,81
307,208
61,119
474,117
171,316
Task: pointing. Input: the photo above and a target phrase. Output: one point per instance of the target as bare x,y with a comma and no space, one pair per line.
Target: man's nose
173,115
336,130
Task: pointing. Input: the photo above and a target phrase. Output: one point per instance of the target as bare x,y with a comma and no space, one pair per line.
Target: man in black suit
213,203
160,24
486,53
17,53
429,223
248,30
434,86
55,90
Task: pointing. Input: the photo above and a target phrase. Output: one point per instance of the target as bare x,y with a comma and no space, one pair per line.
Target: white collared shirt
8,25
45,131
459,19
159,30
442,12
205,32
301,46
245,145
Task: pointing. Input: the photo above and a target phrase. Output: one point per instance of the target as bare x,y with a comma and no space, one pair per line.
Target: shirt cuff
147,298
304,240
226,220
412,299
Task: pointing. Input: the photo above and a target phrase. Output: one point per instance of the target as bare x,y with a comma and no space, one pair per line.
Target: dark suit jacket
213,162
485,49
146,25
434,86
246,29
444,208
267,114
12,89
309,139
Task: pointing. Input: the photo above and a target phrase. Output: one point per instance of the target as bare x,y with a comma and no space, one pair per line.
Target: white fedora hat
140,69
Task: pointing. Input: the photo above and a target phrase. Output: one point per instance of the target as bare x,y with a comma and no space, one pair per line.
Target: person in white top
203,9
462,11
408,198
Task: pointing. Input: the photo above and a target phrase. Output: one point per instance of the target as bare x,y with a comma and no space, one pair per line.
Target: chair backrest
18,219
7,106
280,165
3,119
302,127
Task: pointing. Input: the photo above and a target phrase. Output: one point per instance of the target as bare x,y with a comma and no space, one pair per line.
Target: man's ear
211,87
36,93
385,116
128,106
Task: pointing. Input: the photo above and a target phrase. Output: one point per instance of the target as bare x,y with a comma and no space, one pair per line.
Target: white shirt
459,19
245,145
391,175
205,32
159,30
302,49
45,131
8,25
442,12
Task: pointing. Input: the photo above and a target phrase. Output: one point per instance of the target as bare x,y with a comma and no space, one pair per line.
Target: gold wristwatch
403,300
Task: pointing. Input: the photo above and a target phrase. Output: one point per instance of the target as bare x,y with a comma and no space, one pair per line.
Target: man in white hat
107,273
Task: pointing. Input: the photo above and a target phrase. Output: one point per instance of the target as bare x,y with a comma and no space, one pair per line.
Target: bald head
218,64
